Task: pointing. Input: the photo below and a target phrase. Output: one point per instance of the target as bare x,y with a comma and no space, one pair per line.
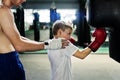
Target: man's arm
9,28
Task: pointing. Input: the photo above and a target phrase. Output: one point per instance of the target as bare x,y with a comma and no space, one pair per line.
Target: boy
60,60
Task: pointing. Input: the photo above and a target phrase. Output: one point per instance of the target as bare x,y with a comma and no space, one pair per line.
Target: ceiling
62,1
45,4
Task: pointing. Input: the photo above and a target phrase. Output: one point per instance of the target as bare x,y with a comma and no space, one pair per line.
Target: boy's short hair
59,24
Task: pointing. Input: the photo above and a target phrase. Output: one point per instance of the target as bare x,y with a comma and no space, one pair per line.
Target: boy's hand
72,40
100,36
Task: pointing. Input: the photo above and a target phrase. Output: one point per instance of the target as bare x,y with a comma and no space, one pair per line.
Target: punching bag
103,13
82,29
114,43
53,17
36,25
106,13
20,20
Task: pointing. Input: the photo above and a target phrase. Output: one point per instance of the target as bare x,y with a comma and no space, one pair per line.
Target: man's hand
56,43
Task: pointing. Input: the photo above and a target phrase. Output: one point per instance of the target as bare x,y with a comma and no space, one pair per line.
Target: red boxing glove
72,40
100,36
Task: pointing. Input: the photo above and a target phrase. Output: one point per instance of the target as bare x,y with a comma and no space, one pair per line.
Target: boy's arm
82,54
100,36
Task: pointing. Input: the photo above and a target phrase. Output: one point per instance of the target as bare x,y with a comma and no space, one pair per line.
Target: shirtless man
11,43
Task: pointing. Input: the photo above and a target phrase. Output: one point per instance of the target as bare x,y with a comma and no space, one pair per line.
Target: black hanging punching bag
114,44
103,13
20,20
106,13
36,26
82,27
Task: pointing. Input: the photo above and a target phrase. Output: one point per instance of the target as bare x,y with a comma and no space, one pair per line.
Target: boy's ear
59,31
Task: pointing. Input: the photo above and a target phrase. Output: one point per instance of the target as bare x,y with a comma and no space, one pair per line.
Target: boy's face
65,34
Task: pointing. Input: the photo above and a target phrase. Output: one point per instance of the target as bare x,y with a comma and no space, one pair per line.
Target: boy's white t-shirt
60,61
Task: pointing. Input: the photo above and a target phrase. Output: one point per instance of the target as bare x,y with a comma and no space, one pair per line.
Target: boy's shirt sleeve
71,49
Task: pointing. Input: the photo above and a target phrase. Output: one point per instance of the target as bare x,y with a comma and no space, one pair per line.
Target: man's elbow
18,48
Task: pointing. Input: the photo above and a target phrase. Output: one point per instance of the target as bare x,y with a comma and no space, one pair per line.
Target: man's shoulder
4,9
5,13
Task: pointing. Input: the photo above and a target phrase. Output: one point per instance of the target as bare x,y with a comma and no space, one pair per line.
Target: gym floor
94,67
97,66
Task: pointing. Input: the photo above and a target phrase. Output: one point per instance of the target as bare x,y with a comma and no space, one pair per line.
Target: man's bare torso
5,44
